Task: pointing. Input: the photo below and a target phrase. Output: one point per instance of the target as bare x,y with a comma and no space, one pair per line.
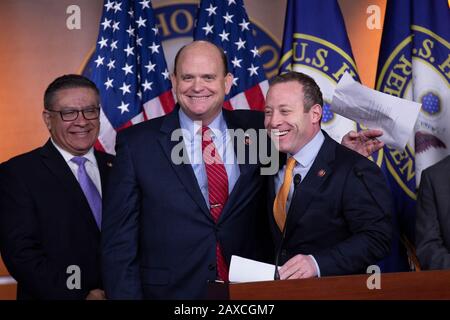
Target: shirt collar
218,125
68,156
306,155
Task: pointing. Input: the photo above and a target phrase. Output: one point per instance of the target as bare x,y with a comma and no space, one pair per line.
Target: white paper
247,270
376,110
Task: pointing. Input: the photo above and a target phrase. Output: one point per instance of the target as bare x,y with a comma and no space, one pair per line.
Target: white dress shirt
91,165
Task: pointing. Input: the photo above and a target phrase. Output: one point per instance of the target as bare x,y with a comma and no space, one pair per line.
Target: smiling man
170,228
50,200
329,206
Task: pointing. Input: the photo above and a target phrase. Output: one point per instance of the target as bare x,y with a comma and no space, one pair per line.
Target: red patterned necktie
217,190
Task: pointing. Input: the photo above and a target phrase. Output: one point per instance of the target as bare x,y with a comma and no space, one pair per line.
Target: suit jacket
340,215
46,225
433,217
158,236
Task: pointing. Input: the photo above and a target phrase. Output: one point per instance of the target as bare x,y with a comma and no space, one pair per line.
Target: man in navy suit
433,217
169,226
49,226
329,206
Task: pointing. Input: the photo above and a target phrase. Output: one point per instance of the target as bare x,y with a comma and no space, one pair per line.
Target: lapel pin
321,173
109,164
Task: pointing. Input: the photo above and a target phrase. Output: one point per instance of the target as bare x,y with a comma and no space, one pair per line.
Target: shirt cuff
317,266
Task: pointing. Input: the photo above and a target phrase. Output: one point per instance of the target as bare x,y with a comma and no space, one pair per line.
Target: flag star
211,10
106,24
99,60
109,5
114,45
130,31
150,67
117,7
129,50
208,29
108,83
111,64
141,22
165,74
244,25
240,44
252,70
155,30
224,35
231,1
228,17
139,41
255,51
116,26
154,47
125,88
131,13
147,85
236,62
127,69
103,42
235,79
123,107
139,94
145,4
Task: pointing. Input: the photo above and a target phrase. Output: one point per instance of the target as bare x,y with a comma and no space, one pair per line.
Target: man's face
79,135
200,84
285,118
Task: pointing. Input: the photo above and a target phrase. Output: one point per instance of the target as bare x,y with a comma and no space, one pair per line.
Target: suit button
211,266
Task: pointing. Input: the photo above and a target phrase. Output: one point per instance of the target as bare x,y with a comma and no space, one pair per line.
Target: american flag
129,69
225,23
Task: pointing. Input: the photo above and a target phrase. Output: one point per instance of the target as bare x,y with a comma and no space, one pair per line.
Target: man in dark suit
172,218
337,203
433,217
50,200
166,231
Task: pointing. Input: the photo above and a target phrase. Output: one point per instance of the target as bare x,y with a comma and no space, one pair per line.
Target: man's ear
173,79
316,113
46,118
228,82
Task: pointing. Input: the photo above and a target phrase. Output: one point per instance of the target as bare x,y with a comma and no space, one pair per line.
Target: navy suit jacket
340,215
433,217
158,236
46,225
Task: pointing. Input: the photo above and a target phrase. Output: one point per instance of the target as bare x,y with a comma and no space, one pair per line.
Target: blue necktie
90,190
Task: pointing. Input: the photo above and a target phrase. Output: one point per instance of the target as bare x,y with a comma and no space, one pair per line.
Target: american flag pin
247,140
321,173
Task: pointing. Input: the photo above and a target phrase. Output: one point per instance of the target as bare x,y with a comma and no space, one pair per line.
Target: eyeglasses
72,115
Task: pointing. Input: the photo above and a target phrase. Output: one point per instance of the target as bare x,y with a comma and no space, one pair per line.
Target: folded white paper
247,270
376,110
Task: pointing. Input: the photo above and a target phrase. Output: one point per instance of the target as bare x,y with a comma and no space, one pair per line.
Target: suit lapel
184,171
56,164
319,172
245,169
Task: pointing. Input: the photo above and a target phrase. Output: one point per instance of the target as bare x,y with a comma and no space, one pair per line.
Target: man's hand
298,267
364,142
96,294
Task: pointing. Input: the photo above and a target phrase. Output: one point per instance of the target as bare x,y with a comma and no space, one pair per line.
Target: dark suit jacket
158,236
46,225
433,217
342,218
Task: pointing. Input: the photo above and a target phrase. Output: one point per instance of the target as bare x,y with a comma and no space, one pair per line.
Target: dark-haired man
329,206
50,200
